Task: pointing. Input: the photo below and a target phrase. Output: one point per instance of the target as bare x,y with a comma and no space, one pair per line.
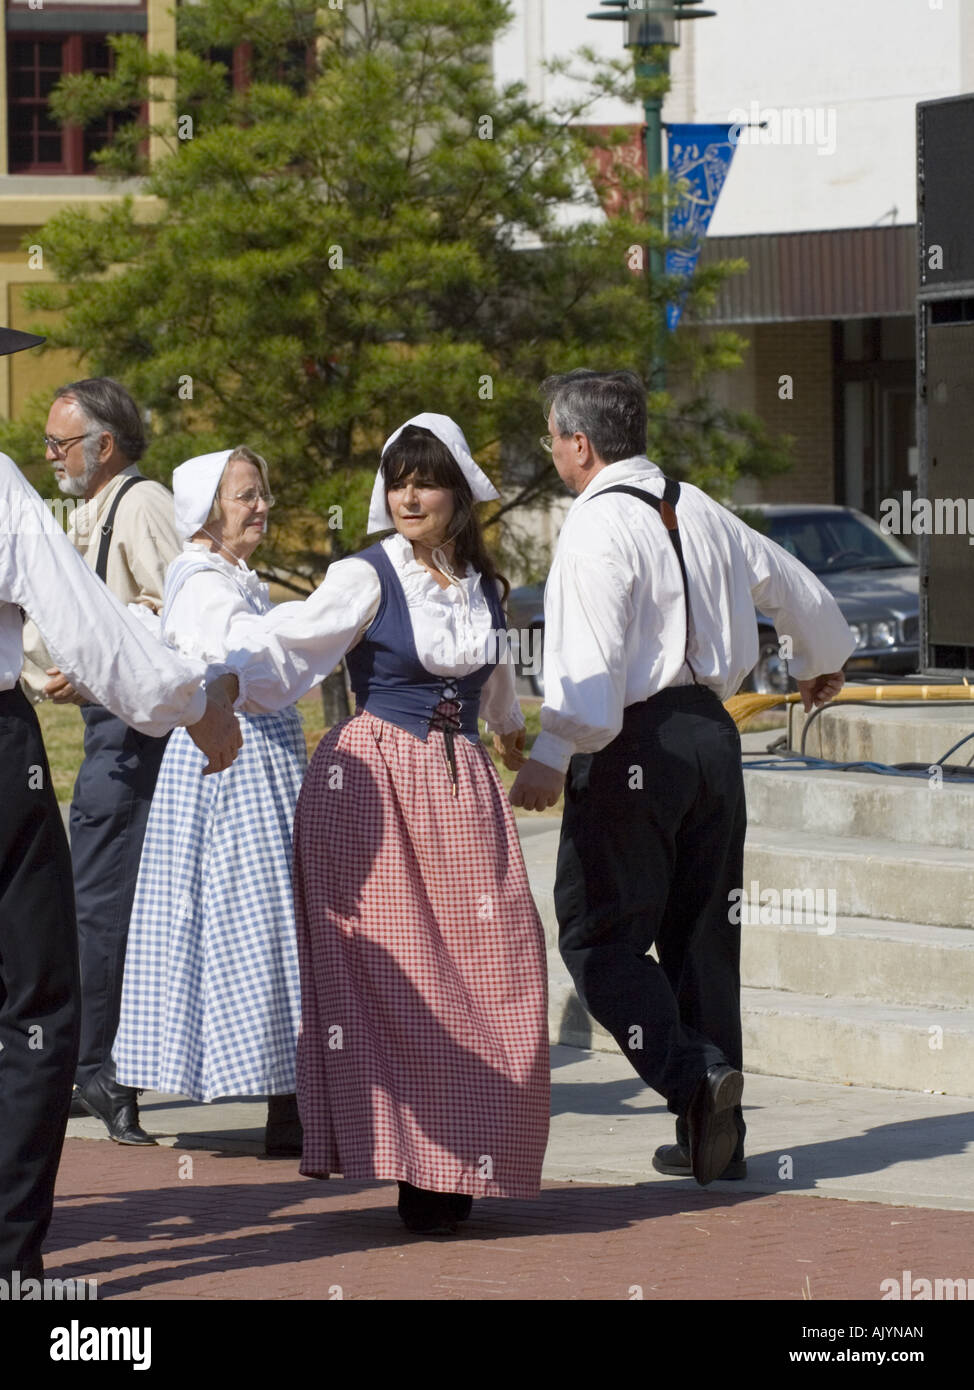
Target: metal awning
850,273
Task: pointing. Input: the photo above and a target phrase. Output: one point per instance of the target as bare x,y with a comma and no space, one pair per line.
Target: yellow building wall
21,217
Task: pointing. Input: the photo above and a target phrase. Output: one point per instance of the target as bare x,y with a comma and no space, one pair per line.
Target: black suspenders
666,506
101,566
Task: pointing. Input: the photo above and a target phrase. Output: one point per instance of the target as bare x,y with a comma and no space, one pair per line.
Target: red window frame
76,143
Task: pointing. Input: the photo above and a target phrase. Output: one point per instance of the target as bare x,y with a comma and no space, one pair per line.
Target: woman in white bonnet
211,995
423,1055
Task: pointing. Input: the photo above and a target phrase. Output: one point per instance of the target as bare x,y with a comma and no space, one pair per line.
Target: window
294,70
35,65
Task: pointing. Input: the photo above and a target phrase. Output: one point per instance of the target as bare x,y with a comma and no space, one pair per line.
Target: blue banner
701,155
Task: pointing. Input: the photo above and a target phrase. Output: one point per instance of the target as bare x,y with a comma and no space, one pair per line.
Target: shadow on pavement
202,1230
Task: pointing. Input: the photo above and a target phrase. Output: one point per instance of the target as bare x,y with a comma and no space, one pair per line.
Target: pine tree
367,227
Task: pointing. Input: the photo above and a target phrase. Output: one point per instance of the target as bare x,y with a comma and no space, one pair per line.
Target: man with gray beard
124,529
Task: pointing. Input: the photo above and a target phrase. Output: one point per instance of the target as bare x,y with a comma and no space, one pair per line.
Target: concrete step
872,878
840,1040
900,963
885,734
905,809
869,877
859,1043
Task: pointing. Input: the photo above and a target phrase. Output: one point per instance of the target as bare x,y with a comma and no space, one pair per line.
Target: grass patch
64,733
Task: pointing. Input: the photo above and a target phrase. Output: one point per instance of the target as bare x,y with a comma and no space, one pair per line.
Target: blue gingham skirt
211,996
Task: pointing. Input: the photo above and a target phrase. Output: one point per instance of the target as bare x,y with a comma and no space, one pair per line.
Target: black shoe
427,1213
283,1136
674,1160
78,1110
461,1205
116,1106
712,1122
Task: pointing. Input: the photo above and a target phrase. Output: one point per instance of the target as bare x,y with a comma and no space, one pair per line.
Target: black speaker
945,384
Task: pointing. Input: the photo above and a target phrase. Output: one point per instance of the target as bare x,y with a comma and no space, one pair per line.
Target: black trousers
112,796
652,844
39,992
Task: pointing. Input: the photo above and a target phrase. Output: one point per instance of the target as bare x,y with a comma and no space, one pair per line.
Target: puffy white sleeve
587,614
105,654
200,615
279,656
499,705
798,604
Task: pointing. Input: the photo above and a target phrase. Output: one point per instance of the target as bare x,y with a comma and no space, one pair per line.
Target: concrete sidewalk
895,1147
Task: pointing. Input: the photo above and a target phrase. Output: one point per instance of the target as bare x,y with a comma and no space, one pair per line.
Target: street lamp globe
651,23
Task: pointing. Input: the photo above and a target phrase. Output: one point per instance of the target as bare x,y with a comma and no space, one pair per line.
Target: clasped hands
217,734
536,786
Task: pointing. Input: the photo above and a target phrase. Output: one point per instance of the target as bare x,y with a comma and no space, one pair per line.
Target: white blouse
615,612
280,656
90,636
196,620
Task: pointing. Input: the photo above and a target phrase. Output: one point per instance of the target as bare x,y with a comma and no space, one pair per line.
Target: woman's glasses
253,497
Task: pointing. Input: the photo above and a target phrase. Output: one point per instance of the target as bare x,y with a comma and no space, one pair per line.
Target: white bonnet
450,434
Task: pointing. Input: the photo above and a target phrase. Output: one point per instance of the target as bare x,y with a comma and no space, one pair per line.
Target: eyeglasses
548,440
252,497
59,447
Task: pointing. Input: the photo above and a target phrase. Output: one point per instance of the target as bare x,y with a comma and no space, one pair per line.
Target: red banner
609,163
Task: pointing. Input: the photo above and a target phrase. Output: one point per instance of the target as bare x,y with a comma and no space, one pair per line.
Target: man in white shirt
113,660
123,526
653,829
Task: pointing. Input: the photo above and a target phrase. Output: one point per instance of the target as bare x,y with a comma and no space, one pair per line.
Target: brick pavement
238,1227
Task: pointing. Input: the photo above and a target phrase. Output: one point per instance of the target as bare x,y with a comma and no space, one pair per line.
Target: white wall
861,65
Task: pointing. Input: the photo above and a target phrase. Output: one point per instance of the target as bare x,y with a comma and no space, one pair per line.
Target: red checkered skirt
423,1051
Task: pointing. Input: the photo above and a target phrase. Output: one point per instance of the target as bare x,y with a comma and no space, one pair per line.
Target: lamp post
652,24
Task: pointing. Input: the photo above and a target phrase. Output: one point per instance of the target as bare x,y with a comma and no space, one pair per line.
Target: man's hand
820,689
510,747
59,689
217,734
537,786
224,688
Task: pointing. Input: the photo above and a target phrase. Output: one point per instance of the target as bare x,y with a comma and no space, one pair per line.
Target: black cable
887,704
810,764
884,769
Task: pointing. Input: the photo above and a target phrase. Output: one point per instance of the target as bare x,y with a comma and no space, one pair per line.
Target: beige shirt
144,542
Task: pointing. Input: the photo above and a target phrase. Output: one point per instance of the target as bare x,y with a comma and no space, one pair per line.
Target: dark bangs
418,453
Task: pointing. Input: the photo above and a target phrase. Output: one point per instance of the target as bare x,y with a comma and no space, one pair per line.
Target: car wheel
770,675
